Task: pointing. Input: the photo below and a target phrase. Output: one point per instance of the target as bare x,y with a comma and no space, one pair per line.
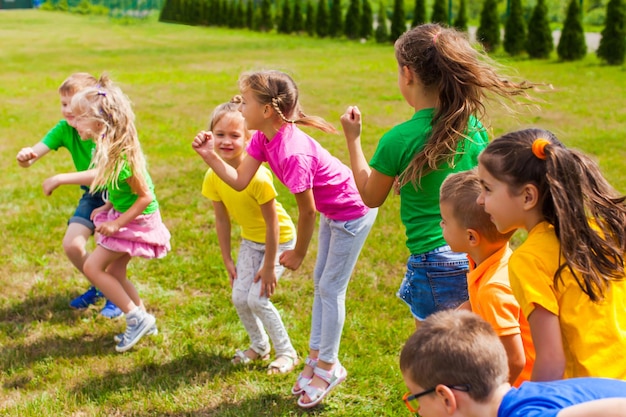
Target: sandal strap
311,362
328,376
241,355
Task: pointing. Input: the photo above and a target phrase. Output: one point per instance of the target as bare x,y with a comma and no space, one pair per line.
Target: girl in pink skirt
129,224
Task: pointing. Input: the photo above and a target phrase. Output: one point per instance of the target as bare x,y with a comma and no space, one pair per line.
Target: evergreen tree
419,13
382,32
230,12
398,20
285,19
461,19
572,44
353,17
539,42
215,18
336,22
613,42
515,30
240,16
309,23
266,22
321,22
440,12
488,32
298,18
366,26
250,14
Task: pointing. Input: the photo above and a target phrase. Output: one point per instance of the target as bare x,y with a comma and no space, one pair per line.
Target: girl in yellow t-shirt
266,231
568,275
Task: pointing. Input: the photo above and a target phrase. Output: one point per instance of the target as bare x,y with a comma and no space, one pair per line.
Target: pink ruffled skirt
146,236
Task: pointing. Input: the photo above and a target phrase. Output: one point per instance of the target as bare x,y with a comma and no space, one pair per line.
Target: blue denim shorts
434,281
88,202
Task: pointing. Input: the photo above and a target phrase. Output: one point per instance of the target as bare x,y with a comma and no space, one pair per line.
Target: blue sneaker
88,298
110,310
138,323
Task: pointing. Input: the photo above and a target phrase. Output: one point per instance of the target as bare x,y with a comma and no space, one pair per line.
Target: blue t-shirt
547,399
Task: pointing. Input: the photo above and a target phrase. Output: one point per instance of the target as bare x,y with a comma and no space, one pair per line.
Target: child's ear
530,195
407,74
473,237
447,399
268,111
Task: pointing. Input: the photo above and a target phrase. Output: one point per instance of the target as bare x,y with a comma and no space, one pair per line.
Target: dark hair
443,59
456,347
588,214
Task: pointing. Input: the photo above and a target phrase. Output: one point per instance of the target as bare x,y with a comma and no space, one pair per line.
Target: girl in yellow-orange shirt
568,275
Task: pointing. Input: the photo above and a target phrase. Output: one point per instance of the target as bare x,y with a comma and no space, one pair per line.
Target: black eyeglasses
411,402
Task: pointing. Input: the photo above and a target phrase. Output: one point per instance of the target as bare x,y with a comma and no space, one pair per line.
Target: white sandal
333,377
240,357
283,364
302,381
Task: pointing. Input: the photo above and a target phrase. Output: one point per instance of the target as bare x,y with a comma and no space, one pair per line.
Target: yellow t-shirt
244,207
594,334
491,297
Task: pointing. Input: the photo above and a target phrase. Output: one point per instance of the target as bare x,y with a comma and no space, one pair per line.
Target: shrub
298,18
572,44
382,32
488,32
266,22
335,28
613,42
419,13
321,22
461,19
539,42
366,26
286,18
353,17
309,23
398,20
250,14
440,12
515,30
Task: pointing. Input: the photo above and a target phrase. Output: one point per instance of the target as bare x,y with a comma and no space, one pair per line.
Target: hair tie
539,148
435,38
101,93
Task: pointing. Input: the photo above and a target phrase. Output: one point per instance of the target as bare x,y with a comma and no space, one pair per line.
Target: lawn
59,362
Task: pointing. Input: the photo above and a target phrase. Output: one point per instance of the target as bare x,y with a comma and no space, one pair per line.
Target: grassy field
59,362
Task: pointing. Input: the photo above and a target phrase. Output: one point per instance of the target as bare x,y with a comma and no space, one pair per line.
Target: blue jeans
435,281
339,246
88,203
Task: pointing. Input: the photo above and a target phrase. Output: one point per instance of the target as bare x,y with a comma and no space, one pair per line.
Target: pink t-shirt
301,163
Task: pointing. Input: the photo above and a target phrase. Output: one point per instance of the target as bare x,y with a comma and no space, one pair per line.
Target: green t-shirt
419,208
64,135
122,196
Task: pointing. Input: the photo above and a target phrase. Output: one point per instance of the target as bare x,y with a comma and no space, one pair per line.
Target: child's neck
490,407
482,252
424,100
271,129
234,162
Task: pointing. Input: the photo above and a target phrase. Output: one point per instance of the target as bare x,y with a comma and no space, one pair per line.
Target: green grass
58,362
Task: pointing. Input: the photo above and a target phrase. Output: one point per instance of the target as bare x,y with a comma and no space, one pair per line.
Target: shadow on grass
54,309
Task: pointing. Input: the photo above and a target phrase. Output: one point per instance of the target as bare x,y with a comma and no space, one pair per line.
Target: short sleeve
55,138
387,159
255,148
499,308
299,173
208,186
262,188
532,283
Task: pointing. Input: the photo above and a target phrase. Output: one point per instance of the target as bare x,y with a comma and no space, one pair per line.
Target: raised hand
351,122
203,143
25,156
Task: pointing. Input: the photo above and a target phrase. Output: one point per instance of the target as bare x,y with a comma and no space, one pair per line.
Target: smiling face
505,208
66,108
87,127
230,137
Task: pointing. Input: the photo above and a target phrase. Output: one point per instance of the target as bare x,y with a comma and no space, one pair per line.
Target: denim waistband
444,248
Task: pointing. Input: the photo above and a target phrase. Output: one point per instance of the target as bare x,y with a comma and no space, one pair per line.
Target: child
476,386
79,226
568,275
266,230
129,224
320,182
445,80
467,228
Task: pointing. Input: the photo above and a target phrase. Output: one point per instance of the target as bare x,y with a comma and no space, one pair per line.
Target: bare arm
144,198
515,354
28,156
222,226
238,178
546,332
266,274
307,213
79,178
373,186
608,407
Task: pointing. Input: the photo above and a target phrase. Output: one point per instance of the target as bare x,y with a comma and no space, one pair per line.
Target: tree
613,42
250,14
398,20
461,19
539,42
309,23
336,22
353,17
298,18
515,30
286,18
572,44
382,32
321,23
419,13
440,12
488,32
366,26
266,22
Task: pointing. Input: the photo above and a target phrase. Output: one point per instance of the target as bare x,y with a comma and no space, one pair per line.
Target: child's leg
341,243
113,287
248,263
264,309
75,244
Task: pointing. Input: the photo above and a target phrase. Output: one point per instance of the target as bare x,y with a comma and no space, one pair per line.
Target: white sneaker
138,323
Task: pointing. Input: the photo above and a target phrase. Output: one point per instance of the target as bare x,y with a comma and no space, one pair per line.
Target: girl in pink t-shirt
320,182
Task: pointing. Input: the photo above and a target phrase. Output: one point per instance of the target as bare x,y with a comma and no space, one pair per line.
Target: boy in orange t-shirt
467,228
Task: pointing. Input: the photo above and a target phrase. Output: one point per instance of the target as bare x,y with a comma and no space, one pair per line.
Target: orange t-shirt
492,299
